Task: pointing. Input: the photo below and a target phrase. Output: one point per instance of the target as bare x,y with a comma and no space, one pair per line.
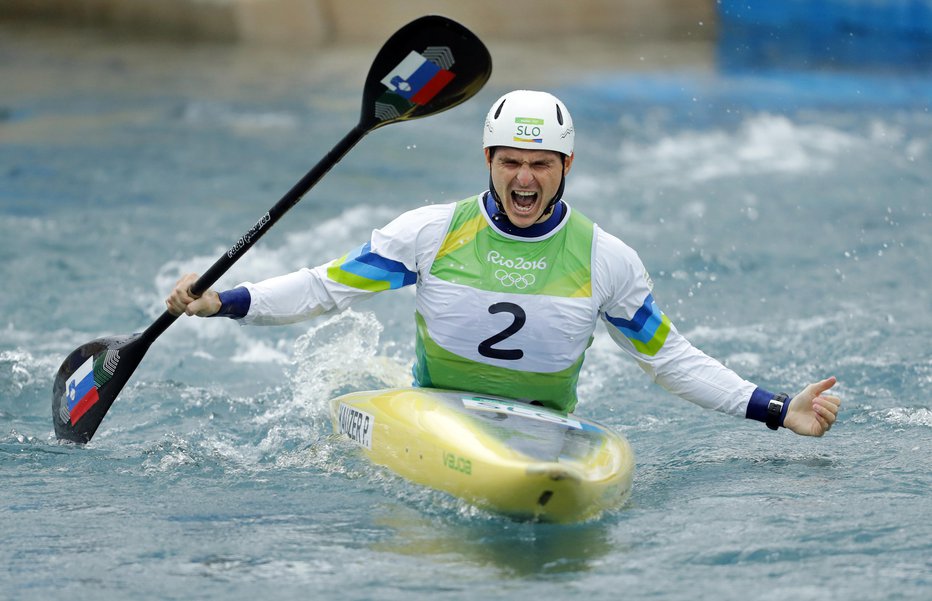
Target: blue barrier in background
885,34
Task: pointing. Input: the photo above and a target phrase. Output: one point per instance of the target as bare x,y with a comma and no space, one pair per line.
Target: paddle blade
428,66
88,382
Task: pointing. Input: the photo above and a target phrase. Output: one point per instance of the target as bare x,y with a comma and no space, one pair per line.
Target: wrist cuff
760,402
757,406
234,303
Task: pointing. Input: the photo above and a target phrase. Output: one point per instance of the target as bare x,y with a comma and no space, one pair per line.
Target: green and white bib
506,315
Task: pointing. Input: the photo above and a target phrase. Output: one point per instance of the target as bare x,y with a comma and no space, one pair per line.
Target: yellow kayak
506,456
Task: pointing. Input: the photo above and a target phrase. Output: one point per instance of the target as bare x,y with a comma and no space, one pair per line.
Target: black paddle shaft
428,66
270,218
448,45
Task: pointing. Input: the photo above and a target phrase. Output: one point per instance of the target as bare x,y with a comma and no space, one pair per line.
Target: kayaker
511,285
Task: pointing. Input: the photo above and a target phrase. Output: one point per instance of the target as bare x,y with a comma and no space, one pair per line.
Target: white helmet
529,120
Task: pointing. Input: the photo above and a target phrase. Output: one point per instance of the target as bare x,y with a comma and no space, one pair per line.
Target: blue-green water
785,217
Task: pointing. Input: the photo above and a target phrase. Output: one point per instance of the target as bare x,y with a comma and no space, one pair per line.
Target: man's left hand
811,412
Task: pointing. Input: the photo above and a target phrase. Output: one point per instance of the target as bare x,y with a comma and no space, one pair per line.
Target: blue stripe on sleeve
379,262
369,265
645,323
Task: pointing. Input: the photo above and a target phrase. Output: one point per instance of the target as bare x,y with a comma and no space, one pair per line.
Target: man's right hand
181,300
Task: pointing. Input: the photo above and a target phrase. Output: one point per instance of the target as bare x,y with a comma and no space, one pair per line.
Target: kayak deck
510,457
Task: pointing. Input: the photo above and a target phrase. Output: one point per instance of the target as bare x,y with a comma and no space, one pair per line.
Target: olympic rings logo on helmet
518,280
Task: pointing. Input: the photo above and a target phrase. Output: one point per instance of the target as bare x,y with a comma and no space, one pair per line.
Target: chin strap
553,201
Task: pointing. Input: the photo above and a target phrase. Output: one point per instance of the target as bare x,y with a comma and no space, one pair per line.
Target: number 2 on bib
486,347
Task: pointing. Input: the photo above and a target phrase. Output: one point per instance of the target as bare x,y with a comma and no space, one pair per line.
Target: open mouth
523,202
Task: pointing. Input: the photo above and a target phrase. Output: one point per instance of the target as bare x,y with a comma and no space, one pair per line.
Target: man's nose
524,176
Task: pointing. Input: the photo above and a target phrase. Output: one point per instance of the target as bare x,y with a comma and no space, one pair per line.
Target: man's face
526,180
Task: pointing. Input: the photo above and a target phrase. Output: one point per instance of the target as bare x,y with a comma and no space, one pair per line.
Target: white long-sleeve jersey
466,262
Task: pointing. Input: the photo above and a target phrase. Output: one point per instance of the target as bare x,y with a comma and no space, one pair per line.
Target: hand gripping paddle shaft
428,66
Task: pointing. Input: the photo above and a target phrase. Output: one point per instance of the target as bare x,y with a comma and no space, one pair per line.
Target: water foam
905,416
341,355
763,144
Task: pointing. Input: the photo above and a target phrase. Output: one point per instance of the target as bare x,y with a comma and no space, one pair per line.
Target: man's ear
567,164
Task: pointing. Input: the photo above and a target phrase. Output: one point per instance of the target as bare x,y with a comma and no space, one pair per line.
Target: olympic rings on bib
518,280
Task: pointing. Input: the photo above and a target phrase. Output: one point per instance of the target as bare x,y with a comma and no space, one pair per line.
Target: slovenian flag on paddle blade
417,79
80,391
